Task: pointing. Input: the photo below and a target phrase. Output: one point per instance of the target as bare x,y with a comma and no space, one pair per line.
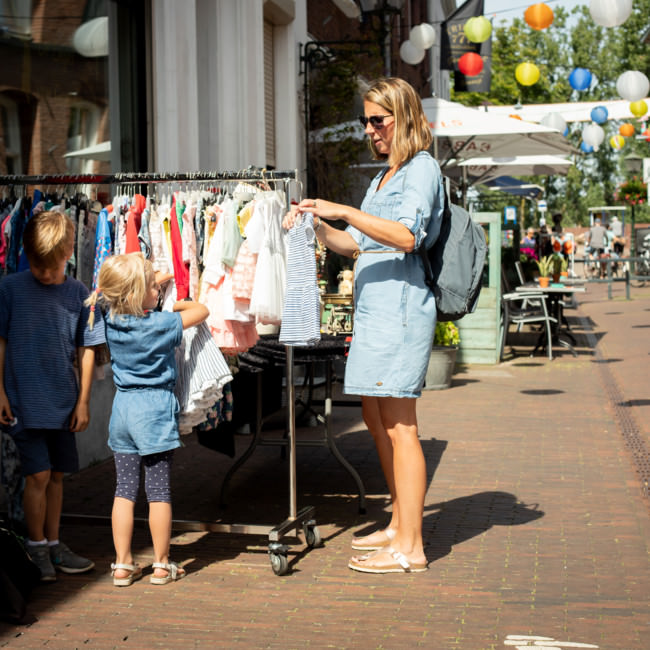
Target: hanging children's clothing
202,374
301,315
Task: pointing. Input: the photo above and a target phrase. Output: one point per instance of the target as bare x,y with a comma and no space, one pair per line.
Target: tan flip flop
400,565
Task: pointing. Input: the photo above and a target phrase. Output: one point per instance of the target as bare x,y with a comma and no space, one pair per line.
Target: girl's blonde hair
412,132
48,239
122,283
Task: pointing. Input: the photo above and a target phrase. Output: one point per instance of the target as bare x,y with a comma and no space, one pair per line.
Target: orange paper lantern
626,130
539,16
470,64
646,134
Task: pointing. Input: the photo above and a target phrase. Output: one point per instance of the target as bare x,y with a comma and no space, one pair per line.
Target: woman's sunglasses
376,121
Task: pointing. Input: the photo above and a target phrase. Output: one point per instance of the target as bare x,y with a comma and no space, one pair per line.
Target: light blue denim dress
394,310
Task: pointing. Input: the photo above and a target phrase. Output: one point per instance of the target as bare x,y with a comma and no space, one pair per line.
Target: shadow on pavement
455,521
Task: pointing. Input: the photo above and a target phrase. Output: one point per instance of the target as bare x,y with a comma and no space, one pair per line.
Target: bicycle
642,265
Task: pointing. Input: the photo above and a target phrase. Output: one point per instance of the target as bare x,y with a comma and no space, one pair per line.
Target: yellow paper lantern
638,108
477,29
539,16
527,73
617,141
626,130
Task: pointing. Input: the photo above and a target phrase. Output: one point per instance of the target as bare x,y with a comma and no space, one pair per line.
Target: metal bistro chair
513,312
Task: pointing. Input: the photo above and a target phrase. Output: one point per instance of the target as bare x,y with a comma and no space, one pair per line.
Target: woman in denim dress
394,311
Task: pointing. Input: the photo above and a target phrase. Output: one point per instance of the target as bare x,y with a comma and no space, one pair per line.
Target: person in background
619,239
45,340
395,312
528,240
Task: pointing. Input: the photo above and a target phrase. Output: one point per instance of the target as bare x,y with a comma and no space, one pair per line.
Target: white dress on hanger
267,298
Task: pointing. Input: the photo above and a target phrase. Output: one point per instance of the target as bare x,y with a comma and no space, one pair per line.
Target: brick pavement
535,524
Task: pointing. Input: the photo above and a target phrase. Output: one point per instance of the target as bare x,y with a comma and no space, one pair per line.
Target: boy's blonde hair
122,283
412,132
48,239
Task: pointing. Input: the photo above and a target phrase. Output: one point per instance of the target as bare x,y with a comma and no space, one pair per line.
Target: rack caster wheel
312,534
278,557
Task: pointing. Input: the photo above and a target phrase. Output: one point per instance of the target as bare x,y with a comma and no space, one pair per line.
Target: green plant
446,333
545,266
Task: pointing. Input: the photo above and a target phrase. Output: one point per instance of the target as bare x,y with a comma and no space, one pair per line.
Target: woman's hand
323,209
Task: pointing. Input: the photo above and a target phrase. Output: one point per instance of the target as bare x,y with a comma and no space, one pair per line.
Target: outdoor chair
524,302
534,313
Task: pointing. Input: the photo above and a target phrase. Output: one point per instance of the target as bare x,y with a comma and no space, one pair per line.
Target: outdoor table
554,292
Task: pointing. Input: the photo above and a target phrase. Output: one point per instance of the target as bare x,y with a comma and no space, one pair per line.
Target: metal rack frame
299,520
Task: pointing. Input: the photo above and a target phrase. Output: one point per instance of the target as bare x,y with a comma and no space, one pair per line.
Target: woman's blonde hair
48,239
412,132
122,283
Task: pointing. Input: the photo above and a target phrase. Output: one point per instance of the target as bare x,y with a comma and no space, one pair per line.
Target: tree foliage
573,40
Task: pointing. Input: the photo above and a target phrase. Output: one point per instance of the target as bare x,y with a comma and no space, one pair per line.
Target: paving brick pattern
536,525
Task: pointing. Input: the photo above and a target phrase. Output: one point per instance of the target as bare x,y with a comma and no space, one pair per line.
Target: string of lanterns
632,85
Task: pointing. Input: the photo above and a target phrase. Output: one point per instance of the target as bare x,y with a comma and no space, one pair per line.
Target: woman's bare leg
398,418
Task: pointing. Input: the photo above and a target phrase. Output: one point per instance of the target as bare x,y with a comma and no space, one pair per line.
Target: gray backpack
453,266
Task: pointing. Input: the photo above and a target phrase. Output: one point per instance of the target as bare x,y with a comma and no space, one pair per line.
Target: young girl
143,428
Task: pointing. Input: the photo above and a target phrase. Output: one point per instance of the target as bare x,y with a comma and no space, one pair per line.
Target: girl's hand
290,218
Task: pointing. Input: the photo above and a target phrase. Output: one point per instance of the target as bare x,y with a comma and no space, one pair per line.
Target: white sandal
127,581
174,572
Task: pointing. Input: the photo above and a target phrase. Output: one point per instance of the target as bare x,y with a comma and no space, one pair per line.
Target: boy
43,329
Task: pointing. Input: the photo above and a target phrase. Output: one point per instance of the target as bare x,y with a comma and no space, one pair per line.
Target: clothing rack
297,520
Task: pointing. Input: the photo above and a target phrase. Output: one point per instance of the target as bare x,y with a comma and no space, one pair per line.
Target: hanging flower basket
632,192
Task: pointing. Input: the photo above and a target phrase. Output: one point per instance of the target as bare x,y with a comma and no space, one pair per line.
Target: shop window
269,95
82,133
11,136
16,18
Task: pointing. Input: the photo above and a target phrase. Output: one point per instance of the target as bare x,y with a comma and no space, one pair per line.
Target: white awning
99,151
617,109
462,132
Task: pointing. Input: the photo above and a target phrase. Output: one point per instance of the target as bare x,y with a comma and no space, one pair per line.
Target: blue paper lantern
580,79
587,148
599,114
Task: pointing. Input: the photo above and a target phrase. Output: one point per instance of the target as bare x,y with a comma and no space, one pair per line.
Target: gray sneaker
67,561
41,557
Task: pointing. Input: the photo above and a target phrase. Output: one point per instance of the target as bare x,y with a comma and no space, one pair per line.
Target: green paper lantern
477,29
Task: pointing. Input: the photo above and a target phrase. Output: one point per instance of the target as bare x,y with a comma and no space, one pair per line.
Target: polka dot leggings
157,473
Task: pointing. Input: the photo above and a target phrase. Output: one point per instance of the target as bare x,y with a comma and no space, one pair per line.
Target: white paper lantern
593,135
91,39
410,53
422,36
610,13
554,121
632,85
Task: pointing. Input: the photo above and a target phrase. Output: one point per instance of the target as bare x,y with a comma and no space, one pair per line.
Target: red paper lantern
646,134
539,16
470,64
626,130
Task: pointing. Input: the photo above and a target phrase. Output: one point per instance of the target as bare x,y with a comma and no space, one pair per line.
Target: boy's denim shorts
47,449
